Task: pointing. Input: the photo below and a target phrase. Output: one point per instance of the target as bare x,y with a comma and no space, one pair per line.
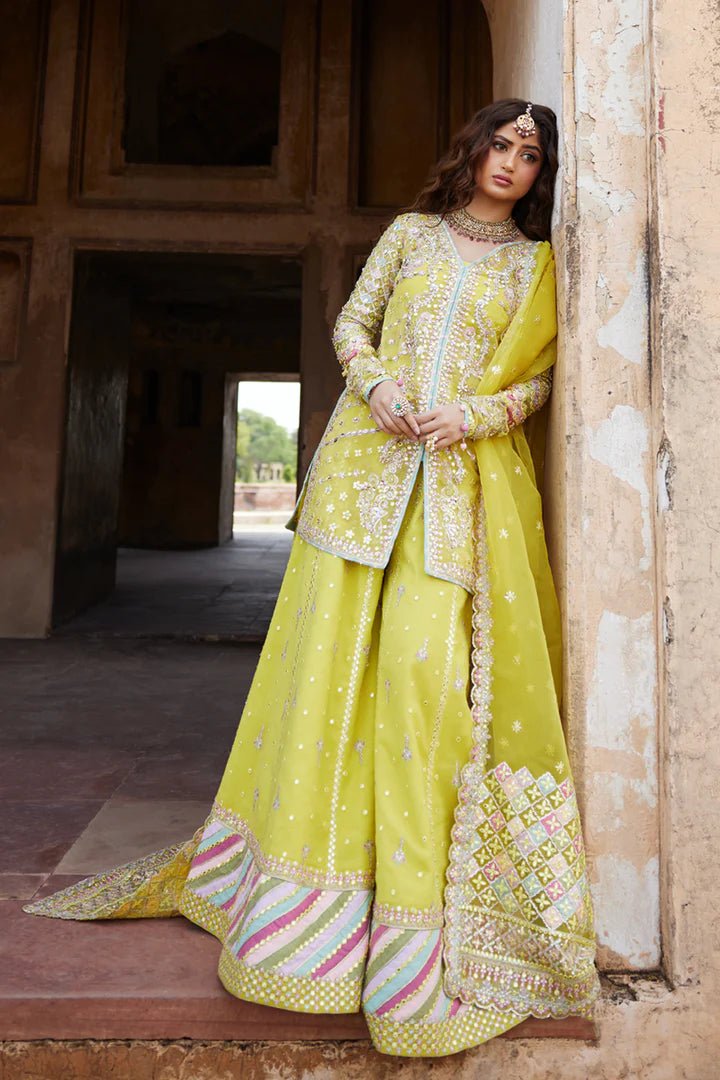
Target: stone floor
226,592
113,742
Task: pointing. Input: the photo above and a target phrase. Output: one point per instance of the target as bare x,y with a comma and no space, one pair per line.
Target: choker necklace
497,232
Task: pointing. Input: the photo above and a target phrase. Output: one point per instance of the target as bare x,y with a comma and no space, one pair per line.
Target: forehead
507,131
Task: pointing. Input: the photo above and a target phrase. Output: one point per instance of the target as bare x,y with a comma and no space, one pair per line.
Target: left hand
443,421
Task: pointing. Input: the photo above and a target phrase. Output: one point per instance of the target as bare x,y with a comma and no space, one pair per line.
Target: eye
530,157
497,145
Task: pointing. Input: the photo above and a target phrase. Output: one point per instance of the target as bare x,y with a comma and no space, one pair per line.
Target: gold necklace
497,232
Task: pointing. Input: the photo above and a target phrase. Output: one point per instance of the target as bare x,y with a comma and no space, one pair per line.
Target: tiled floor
112,746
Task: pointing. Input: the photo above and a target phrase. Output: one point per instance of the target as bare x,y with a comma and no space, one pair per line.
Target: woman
396,827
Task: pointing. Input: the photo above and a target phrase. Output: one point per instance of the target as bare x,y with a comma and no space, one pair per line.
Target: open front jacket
439,320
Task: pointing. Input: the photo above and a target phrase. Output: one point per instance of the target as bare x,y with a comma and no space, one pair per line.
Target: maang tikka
524,123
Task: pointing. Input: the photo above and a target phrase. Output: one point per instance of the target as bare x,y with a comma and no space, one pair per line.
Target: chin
501,195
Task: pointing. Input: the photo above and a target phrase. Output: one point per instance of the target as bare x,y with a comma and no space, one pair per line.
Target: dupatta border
495,959
516,938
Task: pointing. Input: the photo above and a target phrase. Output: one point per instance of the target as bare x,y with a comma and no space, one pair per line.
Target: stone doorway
158,342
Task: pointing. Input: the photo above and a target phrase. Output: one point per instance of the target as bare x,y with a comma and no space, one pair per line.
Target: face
511,165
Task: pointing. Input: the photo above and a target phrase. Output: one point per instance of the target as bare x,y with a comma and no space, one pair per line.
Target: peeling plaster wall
527,40
601,459
685,261
587,61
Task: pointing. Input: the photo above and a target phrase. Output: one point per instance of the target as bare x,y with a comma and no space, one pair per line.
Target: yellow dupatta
518,915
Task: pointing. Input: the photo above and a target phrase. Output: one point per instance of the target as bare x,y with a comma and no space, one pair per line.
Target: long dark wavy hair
451,184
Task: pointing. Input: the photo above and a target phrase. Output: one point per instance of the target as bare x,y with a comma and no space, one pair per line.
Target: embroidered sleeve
497,414
359,321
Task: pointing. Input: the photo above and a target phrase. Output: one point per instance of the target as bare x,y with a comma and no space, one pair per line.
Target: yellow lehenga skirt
322,865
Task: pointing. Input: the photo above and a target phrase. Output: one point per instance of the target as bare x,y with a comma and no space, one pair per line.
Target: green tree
243,463
262,441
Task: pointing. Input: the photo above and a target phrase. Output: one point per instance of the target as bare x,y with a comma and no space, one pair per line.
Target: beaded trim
287,868
148,887
266,986
438,1038
482,649
539,960
420,918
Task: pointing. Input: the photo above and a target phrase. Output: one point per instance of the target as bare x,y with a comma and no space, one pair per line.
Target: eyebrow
530,146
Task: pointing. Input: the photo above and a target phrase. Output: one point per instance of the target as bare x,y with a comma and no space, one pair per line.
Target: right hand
380,401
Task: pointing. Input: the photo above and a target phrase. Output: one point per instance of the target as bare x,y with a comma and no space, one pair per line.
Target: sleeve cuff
372,384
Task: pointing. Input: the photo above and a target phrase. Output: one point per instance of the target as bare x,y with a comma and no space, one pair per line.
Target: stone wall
267,496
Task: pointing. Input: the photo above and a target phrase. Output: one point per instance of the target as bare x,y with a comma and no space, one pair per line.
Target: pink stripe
296,929
440,1009
255,906
214,827
244,896
314,947
278,924
444,1006
410,989
357,956
352,959
209,856
244,887
455,1007
349,945
260,904
218,884
409,1007
398,960
380,930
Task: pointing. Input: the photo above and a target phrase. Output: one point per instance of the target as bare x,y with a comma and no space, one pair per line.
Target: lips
503,180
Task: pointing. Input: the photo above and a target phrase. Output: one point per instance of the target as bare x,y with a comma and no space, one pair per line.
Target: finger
379,418
390,422
413,424
442,441
402,422
430,424
434,427
423,418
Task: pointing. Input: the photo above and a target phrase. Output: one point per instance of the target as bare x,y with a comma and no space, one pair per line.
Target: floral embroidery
439,323
518,858
376,497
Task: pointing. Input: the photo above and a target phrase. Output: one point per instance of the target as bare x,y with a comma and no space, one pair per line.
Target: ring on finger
431,442
400,405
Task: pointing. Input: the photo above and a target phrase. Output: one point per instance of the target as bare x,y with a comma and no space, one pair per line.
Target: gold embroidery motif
439,322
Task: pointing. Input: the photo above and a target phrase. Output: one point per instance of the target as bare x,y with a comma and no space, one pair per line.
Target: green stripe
429,1005
381,959
221,870
298,942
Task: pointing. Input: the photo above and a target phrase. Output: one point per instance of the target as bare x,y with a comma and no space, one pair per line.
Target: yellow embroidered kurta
439,319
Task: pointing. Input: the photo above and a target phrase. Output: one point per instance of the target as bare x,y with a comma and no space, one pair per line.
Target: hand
380,401
445,422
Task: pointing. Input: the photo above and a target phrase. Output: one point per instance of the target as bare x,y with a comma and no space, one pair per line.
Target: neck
487,209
